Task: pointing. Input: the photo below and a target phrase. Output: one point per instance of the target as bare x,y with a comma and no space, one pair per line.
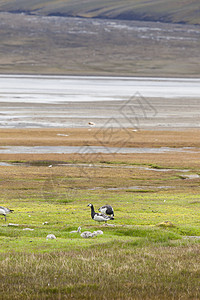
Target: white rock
62,134
30,229
50,237
12,224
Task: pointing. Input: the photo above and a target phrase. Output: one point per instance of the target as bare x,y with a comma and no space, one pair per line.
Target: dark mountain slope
179,11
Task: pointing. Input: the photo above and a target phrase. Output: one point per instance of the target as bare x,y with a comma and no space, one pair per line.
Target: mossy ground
150,252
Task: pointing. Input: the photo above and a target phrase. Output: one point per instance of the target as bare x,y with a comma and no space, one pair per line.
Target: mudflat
108,102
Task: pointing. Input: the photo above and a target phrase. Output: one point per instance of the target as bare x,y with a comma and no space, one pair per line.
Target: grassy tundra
97,47
150,252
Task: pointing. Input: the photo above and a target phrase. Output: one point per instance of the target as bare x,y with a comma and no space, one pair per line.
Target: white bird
98,232
4,211
76,231
99,217
88,234
91,123
107,209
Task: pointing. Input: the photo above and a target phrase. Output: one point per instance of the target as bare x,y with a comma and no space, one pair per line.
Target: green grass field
150,251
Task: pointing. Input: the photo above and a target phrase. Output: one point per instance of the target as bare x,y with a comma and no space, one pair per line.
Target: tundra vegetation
150,250
38,44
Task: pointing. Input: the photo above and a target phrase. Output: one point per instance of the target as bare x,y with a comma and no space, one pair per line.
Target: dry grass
116,271
92,136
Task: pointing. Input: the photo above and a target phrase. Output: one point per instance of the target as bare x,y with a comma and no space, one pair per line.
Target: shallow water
89,149
134,188
5,164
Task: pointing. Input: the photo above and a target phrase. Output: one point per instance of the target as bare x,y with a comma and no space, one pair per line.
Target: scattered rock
189,176
12,224
62,134
50,237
